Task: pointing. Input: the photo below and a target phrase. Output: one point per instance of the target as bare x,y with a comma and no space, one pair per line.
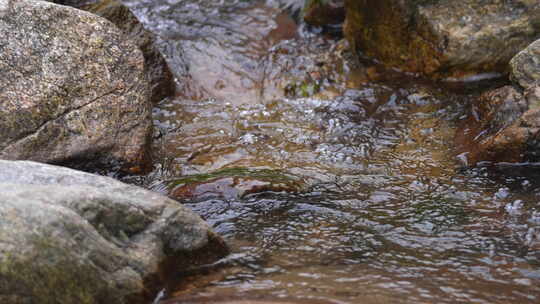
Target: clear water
386,215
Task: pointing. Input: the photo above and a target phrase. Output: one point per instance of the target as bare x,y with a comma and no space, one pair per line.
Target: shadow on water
384,213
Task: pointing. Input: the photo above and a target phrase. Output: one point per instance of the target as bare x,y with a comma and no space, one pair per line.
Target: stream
362,197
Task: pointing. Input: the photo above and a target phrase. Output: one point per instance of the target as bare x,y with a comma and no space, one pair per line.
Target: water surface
386,213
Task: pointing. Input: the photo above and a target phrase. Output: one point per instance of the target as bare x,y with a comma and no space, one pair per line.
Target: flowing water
380,211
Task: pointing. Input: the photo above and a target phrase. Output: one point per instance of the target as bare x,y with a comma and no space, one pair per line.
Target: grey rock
443,39
72,89
525,66
160,77
72,237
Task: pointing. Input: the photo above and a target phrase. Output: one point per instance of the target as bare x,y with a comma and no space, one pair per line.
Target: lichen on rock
72,237
73,90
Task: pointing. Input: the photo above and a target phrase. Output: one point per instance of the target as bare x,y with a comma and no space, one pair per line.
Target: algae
275,176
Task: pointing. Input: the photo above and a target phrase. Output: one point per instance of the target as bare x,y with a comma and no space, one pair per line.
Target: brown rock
442,39
227,299
228,188
496,130
320,13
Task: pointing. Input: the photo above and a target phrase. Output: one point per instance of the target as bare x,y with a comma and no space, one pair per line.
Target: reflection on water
437,240
387,215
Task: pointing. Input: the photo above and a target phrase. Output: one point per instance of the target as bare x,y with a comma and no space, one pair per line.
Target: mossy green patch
50,275
274,176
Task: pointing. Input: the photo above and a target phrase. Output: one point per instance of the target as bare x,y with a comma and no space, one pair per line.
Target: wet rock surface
321,13
525,66
443,39
234,183
73,90
495,130
504,123
72,237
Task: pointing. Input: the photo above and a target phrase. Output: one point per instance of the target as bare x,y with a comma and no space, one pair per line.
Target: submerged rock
227,299
233,183
495,131
320,13
227,188
72,237
73,90
505,122
443,39
218,50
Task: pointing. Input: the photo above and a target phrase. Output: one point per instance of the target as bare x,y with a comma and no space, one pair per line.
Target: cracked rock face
72,237
443,39
72,90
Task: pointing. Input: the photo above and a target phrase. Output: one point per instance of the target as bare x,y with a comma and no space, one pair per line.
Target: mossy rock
72,237
232,183
443,39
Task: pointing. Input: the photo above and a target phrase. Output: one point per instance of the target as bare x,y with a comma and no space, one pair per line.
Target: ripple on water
397,220
386,216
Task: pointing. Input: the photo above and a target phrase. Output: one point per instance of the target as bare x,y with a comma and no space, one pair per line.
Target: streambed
382,210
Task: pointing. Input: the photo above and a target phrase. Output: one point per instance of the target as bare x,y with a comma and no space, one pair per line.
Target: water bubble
515,207
462,158
502,193
529,237
526,282
248,139
535,217
491,250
